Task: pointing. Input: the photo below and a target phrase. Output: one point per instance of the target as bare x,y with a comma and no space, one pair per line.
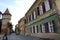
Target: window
37,29
52,26
40,10
40,28
34,15
47,6
46,27
43,28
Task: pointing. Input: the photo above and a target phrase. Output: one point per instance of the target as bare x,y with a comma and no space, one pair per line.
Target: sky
17,8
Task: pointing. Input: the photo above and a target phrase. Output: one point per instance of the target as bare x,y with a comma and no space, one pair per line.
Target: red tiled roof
7,12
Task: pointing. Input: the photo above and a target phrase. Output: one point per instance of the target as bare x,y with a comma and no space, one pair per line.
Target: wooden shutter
46,27
54,26
41,28
33,29
25,21
43,6
50,3
38,11
32,16
29,18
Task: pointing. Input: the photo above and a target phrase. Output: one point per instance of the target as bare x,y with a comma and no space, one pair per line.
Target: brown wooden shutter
59,21
33,29
46,27
29,18
54,26
25,21
43,6
50,3
38,11
37,29
32,16
40,27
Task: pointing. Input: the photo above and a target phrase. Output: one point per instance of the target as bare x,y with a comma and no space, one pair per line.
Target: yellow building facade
43,13
21,26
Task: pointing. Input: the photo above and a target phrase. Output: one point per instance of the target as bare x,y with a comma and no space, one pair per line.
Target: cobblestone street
13,36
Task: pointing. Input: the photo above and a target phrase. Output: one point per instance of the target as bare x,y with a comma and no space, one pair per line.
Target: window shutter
37,29
33,29
59,21
50,3
41,28
25,21
38,11
46,27
29,18
43,6
32,16
54,26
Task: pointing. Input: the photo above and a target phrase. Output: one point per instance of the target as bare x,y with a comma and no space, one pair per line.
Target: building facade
16,29
42,20
21,26
6,17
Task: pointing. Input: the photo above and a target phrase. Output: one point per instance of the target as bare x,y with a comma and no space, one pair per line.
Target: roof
6,12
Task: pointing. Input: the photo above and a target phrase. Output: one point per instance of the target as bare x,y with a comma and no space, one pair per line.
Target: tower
6,17
0,21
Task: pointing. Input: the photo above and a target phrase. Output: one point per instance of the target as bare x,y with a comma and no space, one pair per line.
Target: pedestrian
5,37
